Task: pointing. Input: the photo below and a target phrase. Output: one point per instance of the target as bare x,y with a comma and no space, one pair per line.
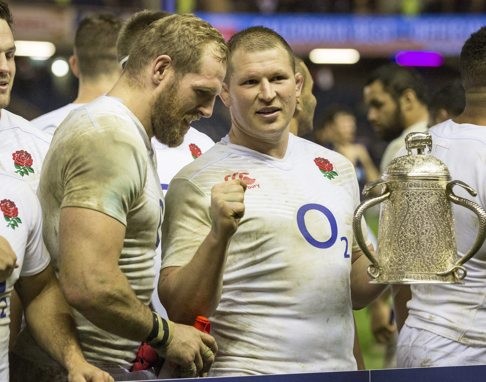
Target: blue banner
443,33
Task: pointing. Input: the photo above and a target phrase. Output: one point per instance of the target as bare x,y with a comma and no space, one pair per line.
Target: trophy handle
459,271
374,268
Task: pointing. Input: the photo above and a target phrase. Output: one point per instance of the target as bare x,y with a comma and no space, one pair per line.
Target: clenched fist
227,206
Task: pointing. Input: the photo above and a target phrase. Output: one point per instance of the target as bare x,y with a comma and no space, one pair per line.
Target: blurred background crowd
45,84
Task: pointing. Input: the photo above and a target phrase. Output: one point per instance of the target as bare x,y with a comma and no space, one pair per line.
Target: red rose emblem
9,208
23,163
22,158
326,167
195,150
10,213
324,164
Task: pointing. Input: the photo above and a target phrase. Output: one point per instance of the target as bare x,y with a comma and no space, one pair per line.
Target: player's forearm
362,292
401,295
50,321
195,288
109,302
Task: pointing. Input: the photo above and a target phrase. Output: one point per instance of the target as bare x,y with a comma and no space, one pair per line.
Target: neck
275,147
136,100
475,109
89,89
294,127
420,114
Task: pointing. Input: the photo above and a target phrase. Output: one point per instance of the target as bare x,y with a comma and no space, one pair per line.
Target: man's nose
206,109
4,67
267,92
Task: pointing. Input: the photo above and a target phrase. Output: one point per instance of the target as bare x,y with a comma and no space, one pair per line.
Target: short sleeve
186,222
36,257
105,169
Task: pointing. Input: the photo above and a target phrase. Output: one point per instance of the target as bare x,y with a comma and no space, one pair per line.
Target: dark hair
450,97
257,38
95,44
131,29
473,60
5,14
331,113
396,80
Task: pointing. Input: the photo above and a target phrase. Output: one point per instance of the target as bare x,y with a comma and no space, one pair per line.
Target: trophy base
424,279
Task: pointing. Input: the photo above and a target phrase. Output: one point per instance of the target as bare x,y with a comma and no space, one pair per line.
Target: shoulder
11,121
458,132
309,148
442,127
195,136
101,123
54,118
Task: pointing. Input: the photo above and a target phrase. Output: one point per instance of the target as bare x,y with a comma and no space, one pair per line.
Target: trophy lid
417,165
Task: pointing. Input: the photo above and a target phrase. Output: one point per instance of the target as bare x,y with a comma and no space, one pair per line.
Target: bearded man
102,201
396,99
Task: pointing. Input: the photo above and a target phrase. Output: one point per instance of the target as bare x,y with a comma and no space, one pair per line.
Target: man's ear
298,104
73,64
299,83
159,68
225,96
408,99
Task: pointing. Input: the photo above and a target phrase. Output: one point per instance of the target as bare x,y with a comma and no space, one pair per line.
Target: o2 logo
332,224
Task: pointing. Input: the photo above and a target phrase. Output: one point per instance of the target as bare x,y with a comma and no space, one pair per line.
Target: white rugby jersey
49,122
22,148
21,225
458,311
286,303
171,159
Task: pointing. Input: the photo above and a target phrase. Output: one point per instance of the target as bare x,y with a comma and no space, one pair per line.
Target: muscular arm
362,292
50,321
196,287
90,245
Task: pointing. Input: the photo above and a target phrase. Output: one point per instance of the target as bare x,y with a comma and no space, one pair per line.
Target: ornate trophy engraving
416,240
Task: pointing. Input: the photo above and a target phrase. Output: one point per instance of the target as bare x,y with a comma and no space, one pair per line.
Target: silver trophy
416,239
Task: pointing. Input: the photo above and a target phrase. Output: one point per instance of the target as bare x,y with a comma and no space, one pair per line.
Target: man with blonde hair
102,201
169,159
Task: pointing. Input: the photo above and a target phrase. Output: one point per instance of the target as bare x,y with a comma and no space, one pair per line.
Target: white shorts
421,348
